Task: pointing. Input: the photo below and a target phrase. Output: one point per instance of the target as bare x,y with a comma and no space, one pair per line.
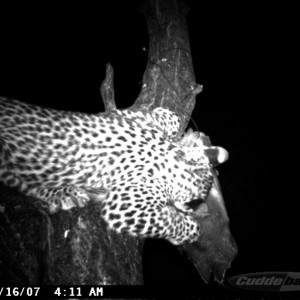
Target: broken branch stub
107,90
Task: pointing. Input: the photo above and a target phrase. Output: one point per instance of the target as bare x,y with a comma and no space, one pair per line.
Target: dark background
55,56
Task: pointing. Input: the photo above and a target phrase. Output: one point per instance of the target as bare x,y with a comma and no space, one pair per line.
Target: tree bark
169,79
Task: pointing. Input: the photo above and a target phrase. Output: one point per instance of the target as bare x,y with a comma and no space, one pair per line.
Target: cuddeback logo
266,282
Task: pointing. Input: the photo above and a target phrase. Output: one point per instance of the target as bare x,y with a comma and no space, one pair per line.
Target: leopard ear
216,155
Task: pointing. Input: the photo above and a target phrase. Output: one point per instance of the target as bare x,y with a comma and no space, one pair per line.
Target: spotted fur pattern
129,160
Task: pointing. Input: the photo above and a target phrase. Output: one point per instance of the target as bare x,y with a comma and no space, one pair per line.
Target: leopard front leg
70,196
146,211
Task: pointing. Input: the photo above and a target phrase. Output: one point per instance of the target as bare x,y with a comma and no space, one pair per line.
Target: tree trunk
169,79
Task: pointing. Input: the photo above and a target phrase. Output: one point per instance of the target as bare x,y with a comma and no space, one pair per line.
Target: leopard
136,163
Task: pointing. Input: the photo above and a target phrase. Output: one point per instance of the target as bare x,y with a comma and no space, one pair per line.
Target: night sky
57,58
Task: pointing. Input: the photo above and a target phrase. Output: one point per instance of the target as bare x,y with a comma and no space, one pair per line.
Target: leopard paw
72,196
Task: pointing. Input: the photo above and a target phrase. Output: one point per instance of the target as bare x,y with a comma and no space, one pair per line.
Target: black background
55,56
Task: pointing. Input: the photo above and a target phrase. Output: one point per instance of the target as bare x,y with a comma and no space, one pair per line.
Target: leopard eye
194,203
